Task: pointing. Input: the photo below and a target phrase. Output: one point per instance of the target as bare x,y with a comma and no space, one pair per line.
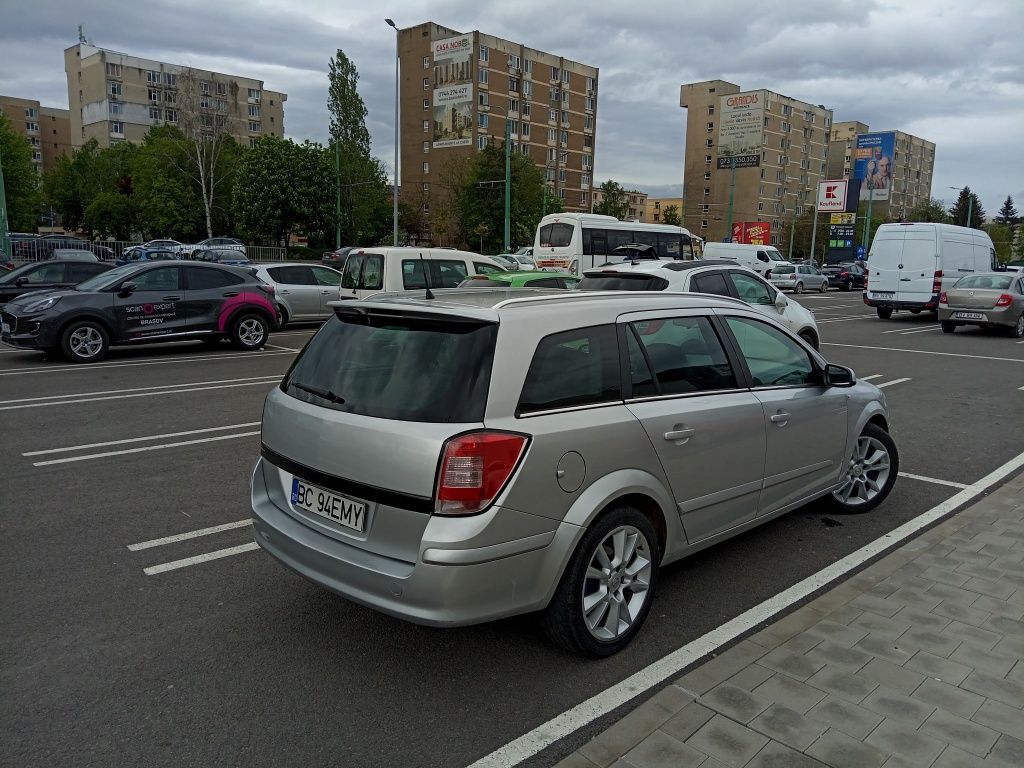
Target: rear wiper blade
324,393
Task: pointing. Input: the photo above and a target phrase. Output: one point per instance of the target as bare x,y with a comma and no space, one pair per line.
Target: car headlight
41,304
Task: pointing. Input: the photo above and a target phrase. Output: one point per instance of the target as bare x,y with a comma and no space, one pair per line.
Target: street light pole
394,191
867,221
732,191
508,180
4,244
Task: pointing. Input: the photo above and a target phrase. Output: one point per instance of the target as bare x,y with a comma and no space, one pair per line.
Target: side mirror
839,376
21,281
781,301
127,289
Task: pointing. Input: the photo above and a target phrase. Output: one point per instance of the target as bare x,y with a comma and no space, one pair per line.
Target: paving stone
881,625
1010,646
902,740
888,674
729,742
1009,750
975,571
839,656
844,614
891,704
779,632
954,757
788,726
793,664
1000,717
997,589
721,668
1005,616
734,702
659,750
922,618
953,578
839,633
882,589
938,668
970,737
686,722
840,684
1017,673
838,749
750,677
950,594
884,648
962,613
949,697
673,698
621,737
930,640
846,717
895,761
784,690
911,579
801,643
917,598
575,760
975,636
776,755
997,664
1007,691
880,605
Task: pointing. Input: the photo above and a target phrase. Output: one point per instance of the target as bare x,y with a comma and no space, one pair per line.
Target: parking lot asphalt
141,627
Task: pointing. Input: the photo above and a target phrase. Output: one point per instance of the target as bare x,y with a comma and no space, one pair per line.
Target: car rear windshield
397,366
786,270
483,282
623,282
986,282
556,235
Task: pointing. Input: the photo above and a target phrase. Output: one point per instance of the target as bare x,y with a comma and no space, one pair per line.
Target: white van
759,258
372,270
910,265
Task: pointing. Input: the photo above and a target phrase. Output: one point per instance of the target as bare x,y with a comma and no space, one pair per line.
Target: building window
514,62
114,89
205,102
565,138
32,127
153,77
590,85
524,129
426,167
154,96
170,79
561,192
426,83
483,76
255,127
37,156
254,95
588,162
561,175
552,115
483,121
555,73
426,62
252,142
204,86
565,97
170,97
31,112
565,117
171,115
588,122
710,143
254,110
485,54
707,159
552,135
703,223
222,89
513,127
527,89
588,104
481,141
513,84
116,108
711,109
565,76
426,126
707,191
707,176
113,70
513,105
711,127
527,110
426,146
585,180
154,113
426,103
117,127
222,106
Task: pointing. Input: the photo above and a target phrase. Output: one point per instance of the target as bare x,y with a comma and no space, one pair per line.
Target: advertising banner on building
752,232
873,164
740,127
453,116
453,60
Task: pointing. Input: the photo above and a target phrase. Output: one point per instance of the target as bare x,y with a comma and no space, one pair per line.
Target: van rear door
884,263
917,265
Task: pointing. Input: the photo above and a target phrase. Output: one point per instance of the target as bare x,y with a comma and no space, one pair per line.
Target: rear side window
296,275
326,276
442,273
680,355
79,272
712,282
485,269
621,281
573,368
393,367
209,279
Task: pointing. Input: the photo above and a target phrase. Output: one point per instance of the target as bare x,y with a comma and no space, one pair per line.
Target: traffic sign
860,253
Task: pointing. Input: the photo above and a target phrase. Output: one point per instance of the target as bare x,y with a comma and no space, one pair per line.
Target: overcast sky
947,71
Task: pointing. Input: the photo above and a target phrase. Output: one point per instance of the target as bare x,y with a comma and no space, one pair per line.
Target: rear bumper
445,587
932,303
1001,316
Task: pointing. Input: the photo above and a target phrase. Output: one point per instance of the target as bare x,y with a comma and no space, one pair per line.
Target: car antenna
426,279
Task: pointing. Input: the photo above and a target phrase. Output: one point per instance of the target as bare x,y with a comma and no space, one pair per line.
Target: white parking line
903,331
189,535
161,361
140,439
608,700
160,447
924,352
832,307
184,563
890,383
120,394
843,318
275,346
935,480
921,330
872,376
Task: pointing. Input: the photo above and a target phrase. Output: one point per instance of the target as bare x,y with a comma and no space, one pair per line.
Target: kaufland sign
832,196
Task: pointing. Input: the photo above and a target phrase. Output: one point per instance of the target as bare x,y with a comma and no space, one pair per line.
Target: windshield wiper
324,393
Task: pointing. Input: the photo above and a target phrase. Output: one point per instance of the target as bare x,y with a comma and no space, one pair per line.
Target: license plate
342,510
970,315
883,294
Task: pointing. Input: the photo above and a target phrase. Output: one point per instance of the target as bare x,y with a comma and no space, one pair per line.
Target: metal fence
266,253
34,250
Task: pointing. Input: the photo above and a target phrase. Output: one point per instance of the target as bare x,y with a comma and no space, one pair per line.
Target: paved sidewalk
915,661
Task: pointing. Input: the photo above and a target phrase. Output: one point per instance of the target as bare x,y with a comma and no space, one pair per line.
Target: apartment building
458,89
47,129
895,167
654,210
765,150
115,97
636,200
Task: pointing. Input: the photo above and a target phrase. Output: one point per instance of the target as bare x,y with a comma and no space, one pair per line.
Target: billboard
752,232
872,164
832,195
453,60
453,116
740,128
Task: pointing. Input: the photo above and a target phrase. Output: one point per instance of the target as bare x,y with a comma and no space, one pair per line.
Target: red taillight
1005,300
844,274
942,298
474,469
937,282
268,289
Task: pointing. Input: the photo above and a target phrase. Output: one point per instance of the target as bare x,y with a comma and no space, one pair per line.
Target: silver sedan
990,299
798,278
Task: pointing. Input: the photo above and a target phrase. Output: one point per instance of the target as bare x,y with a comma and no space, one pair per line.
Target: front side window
353,266
772,357
573,368
677,356
751,289
49,273
486,269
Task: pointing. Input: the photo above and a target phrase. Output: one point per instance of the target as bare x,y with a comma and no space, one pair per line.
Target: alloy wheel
86,342
866,473
250,332
616,584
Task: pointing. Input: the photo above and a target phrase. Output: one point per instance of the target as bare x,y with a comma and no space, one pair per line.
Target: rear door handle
285,290
780,418
679,436
228,294
904,279
172,298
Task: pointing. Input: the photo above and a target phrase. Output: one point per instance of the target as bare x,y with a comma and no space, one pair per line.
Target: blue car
139,254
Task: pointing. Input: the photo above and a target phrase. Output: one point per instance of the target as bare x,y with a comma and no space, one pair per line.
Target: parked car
373,270
524,263
721,277
164,245
336,258
846,276
48,276
798,278
230,256
524,251
453,462
144,303
302,291
507,260
989,299
213,243
760,258
535,279
1014,266
135,255
71,254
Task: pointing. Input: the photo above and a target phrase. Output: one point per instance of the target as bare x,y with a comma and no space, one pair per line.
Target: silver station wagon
479,453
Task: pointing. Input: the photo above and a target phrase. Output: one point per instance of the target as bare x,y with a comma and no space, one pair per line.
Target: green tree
1008,212
1002,239
614,201
110,214
671,216
21,182
266,190
167,203
929,210
967,200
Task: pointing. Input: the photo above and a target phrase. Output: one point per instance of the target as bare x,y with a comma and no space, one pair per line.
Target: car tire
84,341
948,326
884,313
845,287
1017,331
249,331
823,288
810,338
284,317
861,492
798,288
566,620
